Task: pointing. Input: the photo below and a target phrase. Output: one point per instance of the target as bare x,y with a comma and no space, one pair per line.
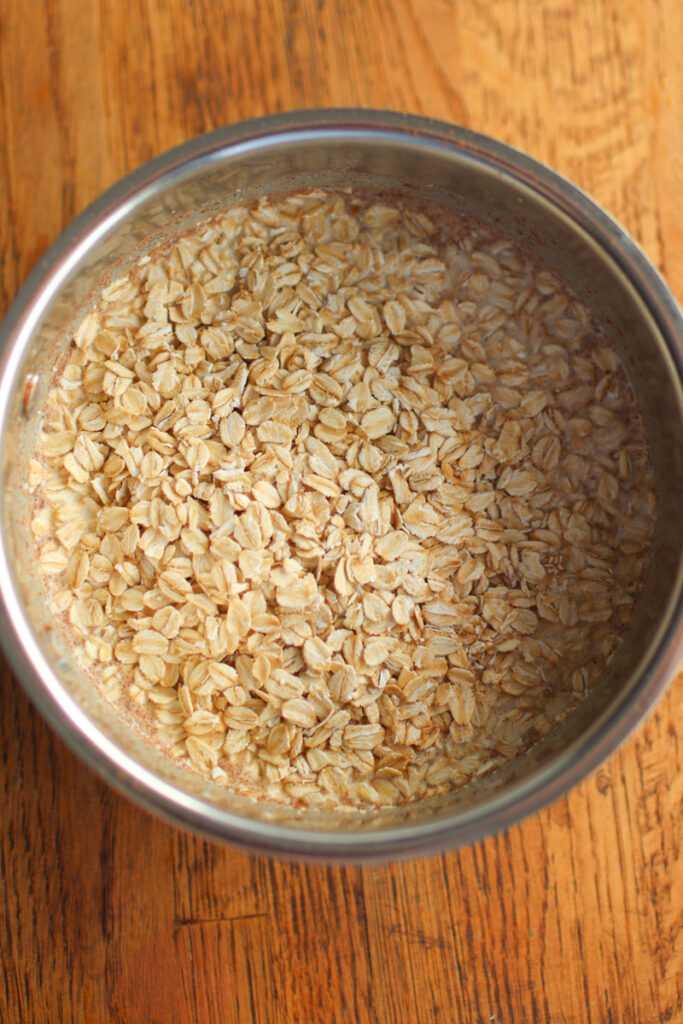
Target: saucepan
365,150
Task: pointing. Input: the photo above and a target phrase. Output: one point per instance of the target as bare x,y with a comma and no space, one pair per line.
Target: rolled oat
352,508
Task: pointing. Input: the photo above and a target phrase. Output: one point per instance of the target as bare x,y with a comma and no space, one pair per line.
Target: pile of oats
350,508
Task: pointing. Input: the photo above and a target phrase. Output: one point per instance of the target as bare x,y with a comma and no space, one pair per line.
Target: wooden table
576,916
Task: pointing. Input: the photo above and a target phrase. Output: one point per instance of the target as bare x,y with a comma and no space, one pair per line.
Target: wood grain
577,914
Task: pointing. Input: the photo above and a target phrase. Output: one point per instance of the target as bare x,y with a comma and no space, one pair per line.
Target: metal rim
60,710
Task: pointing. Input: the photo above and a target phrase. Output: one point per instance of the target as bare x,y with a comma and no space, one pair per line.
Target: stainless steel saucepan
364,150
